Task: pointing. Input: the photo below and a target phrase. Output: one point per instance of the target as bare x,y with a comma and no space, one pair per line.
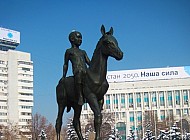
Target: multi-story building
16,81
132,93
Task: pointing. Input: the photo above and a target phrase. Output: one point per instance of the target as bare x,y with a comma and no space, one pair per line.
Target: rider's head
75,38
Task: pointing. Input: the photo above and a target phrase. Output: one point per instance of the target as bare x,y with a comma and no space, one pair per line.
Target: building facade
16,82
133,93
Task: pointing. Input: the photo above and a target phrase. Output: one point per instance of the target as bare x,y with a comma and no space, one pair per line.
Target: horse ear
111,31
103,31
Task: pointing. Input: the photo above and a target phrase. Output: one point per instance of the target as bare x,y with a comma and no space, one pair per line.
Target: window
3,107
154,101
26,107
107,101
130,95
169,93
122,100
161,94
117,115
115,101
131,116
3,100
25,81
26,69
25,75
170,112
4,75
2,62
3,114
23,87
4,81
3,120
178,112
25,100
26,63
146,99
177,97
133,127
186,112
139,116
138,97
26,113
24,120
26,94
123,115
162,115
85,106
185,97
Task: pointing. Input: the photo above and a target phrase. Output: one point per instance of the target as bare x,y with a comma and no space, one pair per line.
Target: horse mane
98,46
96,51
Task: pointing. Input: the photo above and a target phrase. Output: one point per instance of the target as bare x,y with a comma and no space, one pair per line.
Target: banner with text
148,74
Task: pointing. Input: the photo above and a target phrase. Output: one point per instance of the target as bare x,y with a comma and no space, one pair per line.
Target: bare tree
50,131
41,123
150,121
10,131
108,121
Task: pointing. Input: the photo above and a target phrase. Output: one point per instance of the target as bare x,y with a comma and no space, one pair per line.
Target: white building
131,93
16,81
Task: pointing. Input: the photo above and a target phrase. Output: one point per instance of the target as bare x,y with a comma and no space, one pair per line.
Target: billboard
11,36
148,74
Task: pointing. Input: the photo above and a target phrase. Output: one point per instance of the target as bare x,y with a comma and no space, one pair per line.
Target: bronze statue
79,59
95,85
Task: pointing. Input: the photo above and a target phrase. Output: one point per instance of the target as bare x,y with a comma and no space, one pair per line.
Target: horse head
110,45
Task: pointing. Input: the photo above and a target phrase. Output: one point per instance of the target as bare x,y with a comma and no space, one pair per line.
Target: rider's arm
66,63
86,58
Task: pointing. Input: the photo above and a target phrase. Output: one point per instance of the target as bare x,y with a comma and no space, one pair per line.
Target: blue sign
10,35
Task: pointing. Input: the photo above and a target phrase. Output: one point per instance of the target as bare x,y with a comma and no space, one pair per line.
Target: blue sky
151,33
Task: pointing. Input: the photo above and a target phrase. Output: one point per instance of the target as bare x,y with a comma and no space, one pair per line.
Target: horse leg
97,125
104,88
59,120
76,121
94,105
101,103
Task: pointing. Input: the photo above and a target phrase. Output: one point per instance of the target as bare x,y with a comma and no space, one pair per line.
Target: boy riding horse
79,59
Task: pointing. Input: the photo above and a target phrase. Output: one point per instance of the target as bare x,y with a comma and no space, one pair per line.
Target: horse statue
94,88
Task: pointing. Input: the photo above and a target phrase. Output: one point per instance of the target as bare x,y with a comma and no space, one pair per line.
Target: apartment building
16,81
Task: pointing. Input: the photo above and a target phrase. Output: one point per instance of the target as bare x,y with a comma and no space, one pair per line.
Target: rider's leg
79,92
79,87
